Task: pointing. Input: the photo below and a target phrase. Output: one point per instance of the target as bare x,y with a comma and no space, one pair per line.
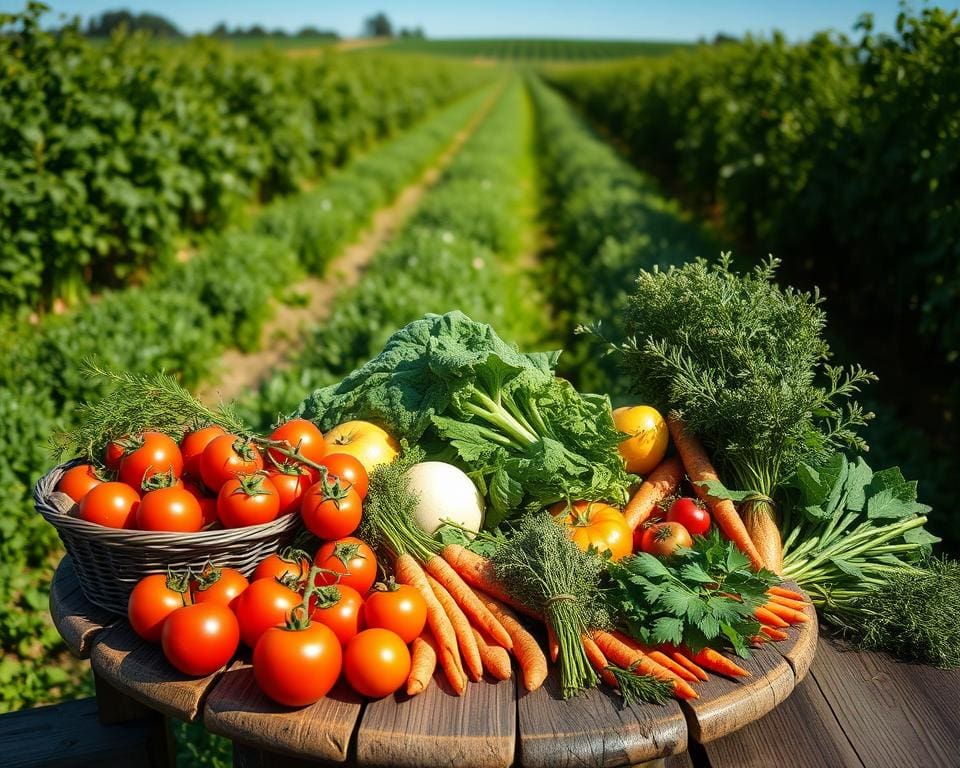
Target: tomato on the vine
78,480
331,509
169,509
349,559
376,663
291,485
219,585
193,444
296,667
691,515
199,639
153,599
264,604
111,504
348,469
595,524
302,436
225,457
156,453
247,500
339,607
397,607
664,539
289,567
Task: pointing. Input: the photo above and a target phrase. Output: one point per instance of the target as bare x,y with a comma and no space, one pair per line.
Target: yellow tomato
369,443
595,524
648,437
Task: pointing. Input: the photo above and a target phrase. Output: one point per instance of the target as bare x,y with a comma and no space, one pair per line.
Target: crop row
536,49
180,321
110,154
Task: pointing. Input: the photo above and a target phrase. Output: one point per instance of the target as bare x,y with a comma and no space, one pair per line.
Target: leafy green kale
525,436
702,596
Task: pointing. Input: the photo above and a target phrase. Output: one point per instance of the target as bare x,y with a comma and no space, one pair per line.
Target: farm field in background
534,50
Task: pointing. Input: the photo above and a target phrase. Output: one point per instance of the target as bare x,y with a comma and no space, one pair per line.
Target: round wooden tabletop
492,725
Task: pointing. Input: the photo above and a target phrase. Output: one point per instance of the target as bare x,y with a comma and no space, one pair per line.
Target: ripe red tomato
352,559
300,435
349,469
280,568
247,500
341,608
690,515
291,486
111,504
114,453
399,608
77,480
376,663
169,509
663,539
227,456
264,604
207,501
219,585
152,600
200,639
192,446
331,510
157,452
296,667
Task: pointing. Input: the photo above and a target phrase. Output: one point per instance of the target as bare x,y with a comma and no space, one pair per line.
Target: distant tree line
379,25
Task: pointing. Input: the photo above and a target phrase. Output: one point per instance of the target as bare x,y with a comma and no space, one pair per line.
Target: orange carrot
598,661
657,656
496,658
630,658
788,603
773,633
663,481
784,592
423,663
699,469
475,610
687,662
769,618
552,644
408,571
477,571
461,628
533,664
789,615
716,662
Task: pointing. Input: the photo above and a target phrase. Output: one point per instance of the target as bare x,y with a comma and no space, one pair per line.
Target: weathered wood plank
440,728
893,713
802,732
594,729
801,644
77,619
726,705
139,669
238,709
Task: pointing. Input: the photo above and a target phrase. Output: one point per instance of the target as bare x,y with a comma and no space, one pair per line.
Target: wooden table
854,709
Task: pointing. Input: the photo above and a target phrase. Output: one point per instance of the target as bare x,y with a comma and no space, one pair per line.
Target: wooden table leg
116,707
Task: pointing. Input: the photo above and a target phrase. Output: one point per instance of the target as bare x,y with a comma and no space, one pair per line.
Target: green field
533,49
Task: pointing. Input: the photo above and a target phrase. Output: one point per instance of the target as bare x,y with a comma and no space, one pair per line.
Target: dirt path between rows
283,333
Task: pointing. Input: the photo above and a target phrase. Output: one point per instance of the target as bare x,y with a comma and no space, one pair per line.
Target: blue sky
617,19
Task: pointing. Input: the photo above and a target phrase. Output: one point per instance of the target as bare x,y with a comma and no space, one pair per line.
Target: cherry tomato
300,435
352,559
225,457
663,539
247,500
291,486
399,608
77,480
331,510
264,604
341,608
296,667
200,639
169,509
111,504
206,500
153,599
349,469
192,446
690,515
219,585
280,568
157,452
376,662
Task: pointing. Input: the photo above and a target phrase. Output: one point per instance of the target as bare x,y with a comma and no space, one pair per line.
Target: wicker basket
110,561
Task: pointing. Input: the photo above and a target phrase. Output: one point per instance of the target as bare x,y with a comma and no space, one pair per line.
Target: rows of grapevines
179,322
110,153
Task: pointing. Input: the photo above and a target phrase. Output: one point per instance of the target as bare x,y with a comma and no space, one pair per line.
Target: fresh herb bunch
545,570
702,596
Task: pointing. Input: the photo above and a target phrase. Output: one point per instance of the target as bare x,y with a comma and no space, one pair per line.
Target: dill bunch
544,569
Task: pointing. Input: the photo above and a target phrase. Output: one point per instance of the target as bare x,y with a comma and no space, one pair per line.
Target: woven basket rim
125,537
